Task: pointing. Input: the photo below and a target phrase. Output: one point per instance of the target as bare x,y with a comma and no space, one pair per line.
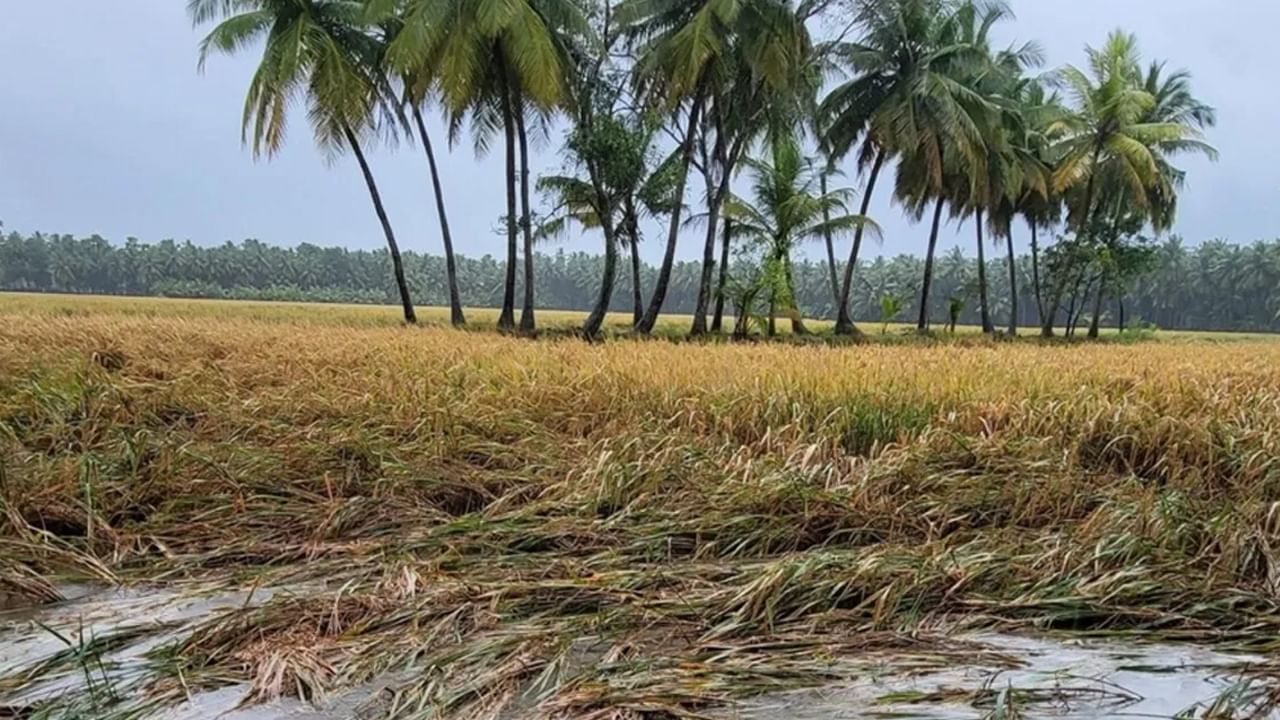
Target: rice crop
628,529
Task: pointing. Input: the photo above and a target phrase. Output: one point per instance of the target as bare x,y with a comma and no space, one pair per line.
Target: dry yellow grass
477,318
479,505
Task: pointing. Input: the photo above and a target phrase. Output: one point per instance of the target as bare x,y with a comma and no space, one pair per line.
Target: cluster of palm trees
653,90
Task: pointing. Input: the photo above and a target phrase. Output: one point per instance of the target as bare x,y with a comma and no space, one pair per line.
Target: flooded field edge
98,653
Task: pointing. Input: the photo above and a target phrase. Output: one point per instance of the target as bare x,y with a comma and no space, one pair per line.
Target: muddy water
1055,677
1058,678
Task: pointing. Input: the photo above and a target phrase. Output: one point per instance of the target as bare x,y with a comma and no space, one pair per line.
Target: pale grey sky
106,127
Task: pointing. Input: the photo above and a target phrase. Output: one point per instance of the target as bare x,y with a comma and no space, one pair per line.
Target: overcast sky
106,127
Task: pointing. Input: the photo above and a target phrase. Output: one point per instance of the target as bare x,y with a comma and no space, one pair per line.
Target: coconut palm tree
905,94
317,51
937,174
729,60
419,88
1018,141
500,63
1039,112
677,43
1007,167
764,85
1118,141
1128,124
787,207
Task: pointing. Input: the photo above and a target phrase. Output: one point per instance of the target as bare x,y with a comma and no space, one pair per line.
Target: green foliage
787,207
314,50
1216,286
890,308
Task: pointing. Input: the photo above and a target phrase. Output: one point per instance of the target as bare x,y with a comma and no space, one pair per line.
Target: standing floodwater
105,641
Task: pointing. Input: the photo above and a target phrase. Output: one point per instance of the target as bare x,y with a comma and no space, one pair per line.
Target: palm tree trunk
1120,306
397,265
1072,314
645,326
844,321
1095,323
742,316
450,261
922,324
985,310
797,318
1013,282
717,320
1053,304
632,238
596,319
714,201
1035,273
831,249
772,329
700,307
527,323
507,319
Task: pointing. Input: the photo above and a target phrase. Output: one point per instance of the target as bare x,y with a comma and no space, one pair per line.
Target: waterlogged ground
115,636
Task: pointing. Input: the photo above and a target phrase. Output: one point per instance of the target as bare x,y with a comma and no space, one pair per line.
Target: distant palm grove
1216,286
761,125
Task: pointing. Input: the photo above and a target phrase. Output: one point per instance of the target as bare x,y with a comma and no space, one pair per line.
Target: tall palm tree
1174,105
788,206
500,62
722,58
761,85
678,42
1006,168
1039,113
1120,138
615,152
904,95
419,87
319,51
938,172
1024,177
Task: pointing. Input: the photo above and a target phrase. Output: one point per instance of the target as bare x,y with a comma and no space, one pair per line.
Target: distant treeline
1216,286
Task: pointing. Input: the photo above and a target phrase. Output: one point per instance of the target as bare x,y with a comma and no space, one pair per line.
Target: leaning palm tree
1117,141
319,51
500,63
725,62
905,94
416,100
1112,126
786,207
418,90
678,43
